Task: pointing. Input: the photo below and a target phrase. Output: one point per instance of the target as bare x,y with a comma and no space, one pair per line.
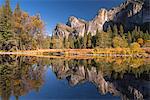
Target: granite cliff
130,13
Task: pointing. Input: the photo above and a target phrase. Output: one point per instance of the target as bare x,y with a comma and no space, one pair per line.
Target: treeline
112,38
20,31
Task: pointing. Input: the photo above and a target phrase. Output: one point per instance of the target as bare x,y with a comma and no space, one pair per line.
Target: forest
20,31
112,38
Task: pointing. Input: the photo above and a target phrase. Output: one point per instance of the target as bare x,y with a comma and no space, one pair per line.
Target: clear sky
58,11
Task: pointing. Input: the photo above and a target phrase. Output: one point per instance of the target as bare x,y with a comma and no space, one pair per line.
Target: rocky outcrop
79,25
129,14
62,30
98,22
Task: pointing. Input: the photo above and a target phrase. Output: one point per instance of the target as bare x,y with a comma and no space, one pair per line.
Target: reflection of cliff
106,79
19,75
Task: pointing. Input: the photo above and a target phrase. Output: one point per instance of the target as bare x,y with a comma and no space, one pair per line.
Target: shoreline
107,52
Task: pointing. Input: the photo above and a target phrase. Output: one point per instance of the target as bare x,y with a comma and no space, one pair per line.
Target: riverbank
116,52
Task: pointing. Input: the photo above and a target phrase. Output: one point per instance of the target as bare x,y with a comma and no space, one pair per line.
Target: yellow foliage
140,41
25,15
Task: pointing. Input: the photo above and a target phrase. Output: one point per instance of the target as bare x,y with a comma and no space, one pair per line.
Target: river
40,78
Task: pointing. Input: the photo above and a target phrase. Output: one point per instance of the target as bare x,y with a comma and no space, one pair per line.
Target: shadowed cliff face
130,14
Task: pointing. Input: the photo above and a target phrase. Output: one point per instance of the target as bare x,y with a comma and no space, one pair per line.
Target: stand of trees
19,31
114,37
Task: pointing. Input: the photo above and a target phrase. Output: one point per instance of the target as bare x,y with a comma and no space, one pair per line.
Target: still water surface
32,78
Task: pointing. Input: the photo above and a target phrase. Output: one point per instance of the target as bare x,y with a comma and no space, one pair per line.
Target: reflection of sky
54,11
59,89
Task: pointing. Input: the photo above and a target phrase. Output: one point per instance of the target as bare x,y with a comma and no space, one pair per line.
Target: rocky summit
130,13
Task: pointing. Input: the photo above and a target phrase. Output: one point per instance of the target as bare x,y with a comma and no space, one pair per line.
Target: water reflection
19,75
127,78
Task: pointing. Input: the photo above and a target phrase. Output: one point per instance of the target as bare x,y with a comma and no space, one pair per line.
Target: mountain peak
129,14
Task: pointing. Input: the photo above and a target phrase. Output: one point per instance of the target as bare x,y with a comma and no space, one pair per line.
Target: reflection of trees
19,75
125,77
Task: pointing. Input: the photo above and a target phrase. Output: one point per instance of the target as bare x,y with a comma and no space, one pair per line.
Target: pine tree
98,39
85,40
8,11
110,35
129,38
115,31
77,43
109,31
89,44
65,42
81,40
119,42
17,25
53,42
121,31
71,41
6,28
135,34
94,39
17,11
103,40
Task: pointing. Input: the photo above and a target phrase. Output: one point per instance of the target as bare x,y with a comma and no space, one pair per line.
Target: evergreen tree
54,42
17,26
71,41
81,40
77,43
98,39
6,28
51,44
115,31
65,42
135,34
121,31
129,38
110,35
94,41
85,40
89,44
119,42
109,31
7,11
103,40
17,10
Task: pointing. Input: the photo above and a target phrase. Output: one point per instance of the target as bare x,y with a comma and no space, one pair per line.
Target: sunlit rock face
130,14
98,22
79,25
62,30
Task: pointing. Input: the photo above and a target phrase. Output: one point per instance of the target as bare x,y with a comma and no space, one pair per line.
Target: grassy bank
140,52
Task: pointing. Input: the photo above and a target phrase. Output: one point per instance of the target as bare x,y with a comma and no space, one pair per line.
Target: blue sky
58,11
